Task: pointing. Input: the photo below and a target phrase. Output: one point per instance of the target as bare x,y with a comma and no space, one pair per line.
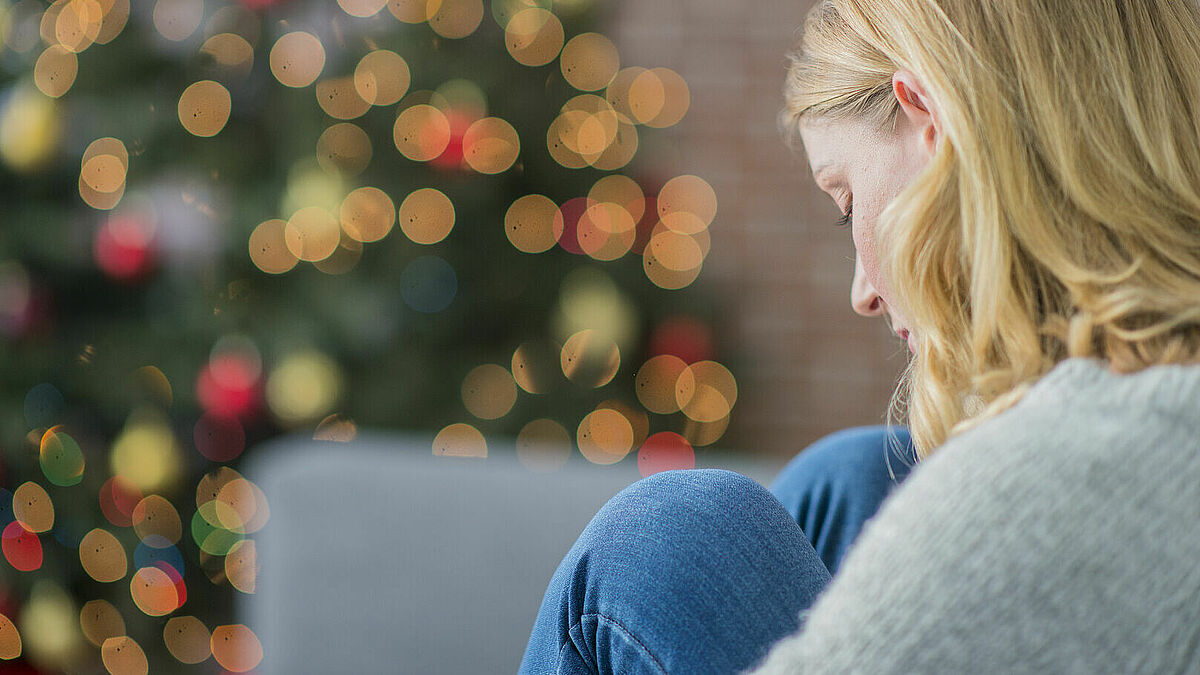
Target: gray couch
382,558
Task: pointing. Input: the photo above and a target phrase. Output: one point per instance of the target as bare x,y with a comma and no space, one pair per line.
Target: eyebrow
821,169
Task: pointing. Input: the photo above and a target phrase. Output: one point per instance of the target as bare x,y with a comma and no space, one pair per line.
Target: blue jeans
702,570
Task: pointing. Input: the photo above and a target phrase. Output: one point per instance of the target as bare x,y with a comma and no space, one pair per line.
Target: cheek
864,247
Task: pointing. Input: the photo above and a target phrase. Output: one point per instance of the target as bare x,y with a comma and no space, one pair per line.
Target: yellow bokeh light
268,249
304,387
413,11
562,136
49,627
102,556
100,621
455,19
344,149
241,566
647,96
32,507
489,391
687,204
187,638
638,420
232,53
655,383
30,128
367,214
543,445
154,515
204,108
590,359
677,98
490,145
606,231
621,190
706,391
621,150
459,440
236,648
10,639
153,591
382,77
339,98
146,453
123,656
533,36
589,61
297,59
426,216
362,8
153,382
605,436
421,132
533,224
55,71
176,20
312,233
617,93
664,277
677,252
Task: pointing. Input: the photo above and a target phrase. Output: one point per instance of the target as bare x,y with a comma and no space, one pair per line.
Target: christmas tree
227,221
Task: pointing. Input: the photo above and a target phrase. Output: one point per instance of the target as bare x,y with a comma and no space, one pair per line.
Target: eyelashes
844,221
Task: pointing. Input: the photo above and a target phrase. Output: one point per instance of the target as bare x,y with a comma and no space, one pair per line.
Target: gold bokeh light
413,11
589,61
362,8
426,216
621,190
543,445
382,77
204,108
231,53
102,556
421,132
706,391
154,515
187,638
339,98
489,391
100,621
533,224
655,383
123,656
490,145
312,233
344,149
459,440
153,591
606,231
268,248
455,19
176,20
533,36
33,508
590,359
687,204
55,71
605,436
367,214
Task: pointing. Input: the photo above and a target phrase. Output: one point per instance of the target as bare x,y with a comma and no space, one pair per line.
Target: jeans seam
625,632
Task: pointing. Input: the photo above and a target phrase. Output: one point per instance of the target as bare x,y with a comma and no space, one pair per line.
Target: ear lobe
918,107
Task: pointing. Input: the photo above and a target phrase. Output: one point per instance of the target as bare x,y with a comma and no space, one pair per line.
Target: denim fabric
701,571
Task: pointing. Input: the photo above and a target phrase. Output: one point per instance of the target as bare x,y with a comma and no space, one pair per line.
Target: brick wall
808,364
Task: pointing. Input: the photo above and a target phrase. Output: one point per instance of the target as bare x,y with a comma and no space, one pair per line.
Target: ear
918,108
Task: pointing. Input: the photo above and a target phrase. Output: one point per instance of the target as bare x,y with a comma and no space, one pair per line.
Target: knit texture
1062,536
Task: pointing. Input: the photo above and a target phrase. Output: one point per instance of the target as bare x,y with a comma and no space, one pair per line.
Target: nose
863,297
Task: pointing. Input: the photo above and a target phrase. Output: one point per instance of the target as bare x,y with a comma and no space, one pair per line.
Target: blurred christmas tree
198,254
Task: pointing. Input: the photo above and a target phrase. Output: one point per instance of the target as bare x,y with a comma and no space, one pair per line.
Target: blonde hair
1059,216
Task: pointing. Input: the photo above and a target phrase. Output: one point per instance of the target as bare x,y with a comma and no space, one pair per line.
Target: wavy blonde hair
1059,216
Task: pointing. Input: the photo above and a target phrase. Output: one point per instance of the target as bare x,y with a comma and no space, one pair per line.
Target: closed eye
844,221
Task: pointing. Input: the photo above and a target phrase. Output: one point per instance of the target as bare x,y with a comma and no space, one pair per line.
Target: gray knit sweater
1063,536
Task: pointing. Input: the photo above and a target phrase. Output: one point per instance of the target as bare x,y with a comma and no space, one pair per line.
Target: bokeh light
146,453
22,548
590,359
154,515
55,71
533,36
706,391
426,216
123,656
297,59
100,621
589,61
268,248
153,591
490,145
188,639
339,98
428,284
33,508
236,648
604,436
232,55
536,366
459,440
176,20
533,224
489,391
303,387
367,214
655,383
543,445
665,451
382,77
10,639
362,8
49,627
344,149
456,19
421,132
638,420
118,497
102,556
30,129
241,566
336,428
620,190
687,204
413,11
61,458
606,231
204,108
312,233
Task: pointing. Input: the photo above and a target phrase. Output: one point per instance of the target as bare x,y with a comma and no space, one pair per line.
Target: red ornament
22,548
665,451
685,337
228,386
122,248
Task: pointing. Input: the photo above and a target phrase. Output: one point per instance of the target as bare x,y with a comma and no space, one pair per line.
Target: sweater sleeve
1004,553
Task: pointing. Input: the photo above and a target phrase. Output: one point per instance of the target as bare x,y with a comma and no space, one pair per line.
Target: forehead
833,143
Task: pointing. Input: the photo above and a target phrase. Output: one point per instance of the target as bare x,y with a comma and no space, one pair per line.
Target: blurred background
568,224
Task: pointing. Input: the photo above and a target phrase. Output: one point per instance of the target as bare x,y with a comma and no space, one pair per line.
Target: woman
1023,183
